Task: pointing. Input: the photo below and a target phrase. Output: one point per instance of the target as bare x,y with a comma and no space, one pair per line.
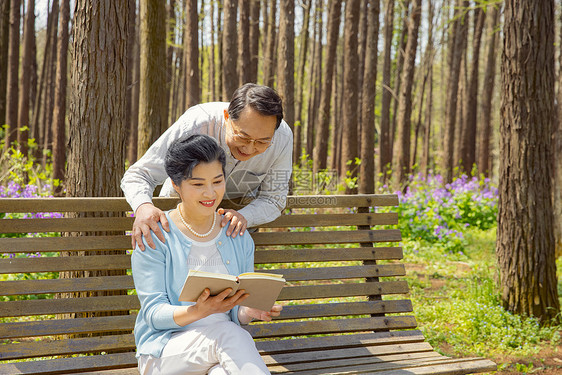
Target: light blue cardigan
159,275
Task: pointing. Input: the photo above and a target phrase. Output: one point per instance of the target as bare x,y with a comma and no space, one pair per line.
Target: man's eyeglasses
239,138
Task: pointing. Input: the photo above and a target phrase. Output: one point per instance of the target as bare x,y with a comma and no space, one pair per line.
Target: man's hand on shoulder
147,217
238,222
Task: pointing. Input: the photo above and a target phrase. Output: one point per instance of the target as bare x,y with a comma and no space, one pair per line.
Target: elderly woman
204,337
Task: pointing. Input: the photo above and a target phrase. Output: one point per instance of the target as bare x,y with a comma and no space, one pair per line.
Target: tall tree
430,54
229,50
286,59
4,42
525,239
27,73
367,168
13,73
59,116
557,156
468,142
254,40
269,63
130,121
152,99
299,98
350,120
134,133
191,46
244,54
401,158
485,129
320,150
385,149
315,77
454,65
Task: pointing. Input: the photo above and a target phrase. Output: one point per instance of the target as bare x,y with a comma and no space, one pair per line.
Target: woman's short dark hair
188,151
263,99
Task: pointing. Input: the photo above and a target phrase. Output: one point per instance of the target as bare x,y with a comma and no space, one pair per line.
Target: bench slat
31,245
71,365
93,224
46,348
49,286
315,327
59,264
343,290
345,308
335,273
52,327
298,345
69,305
114,204
327,255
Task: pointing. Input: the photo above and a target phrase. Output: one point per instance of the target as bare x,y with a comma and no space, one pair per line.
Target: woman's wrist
243,316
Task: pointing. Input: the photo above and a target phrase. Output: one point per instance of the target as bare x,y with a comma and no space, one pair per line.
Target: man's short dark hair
188,151
263,99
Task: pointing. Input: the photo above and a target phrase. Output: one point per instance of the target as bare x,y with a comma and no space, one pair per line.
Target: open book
263,288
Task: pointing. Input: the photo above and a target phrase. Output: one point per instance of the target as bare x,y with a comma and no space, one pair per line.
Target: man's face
250,135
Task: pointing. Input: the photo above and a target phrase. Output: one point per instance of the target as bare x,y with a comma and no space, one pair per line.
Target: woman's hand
147,217
238,222
207,305
250,313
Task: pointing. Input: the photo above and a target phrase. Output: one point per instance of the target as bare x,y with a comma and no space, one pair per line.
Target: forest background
380,94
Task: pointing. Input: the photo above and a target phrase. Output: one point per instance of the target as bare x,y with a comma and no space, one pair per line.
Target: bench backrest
335,262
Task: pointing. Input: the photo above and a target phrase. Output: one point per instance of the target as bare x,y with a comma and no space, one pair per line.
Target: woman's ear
226,115
176,187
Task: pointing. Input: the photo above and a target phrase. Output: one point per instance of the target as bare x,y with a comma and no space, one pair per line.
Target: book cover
263,288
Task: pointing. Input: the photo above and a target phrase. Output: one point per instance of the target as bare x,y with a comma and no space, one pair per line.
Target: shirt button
228,262
220,242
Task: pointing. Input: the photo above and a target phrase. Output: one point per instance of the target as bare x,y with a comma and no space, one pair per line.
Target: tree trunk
191,46
96,158
468,144
134,134
557,156
13,74
269,63
401,157
350,120
254,40
385,150
320,150
244,54
361,46
27,73
487,95
315,79
303,51
525,238
152,100
130,63
59,116
219,48
367,168
286,59
229,50
4,44
454,62
424,165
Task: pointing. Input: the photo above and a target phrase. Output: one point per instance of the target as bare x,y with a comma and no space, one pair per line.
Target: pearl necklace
191,229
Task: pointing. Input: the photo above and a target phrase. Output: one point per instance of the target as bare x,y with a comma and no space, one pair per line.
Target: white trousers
217,349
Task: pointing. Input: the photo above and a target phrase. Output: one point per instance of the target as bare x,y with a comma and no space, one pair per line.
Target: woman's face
250,135
203,191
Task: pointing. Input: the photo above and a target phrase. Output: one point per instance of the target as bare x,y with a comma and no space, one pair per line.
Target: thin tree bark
219,48
27,72
525,239
485,131
229,50
286,59
401,157
269,63
132,14
454,63
303,51
468,143
191,46
59,116
254,40
320,150
134,134
152,100
350,120
385,150
244,54
13,74
361,46
316,79
4,48
557,156
424,165
367,168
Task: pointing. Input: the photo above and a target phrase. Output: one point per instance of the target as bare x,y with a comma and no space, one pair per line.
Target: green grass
457,303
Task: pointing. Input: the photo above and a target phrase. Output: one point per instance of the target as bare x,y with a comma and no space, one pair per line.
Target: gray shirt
263,180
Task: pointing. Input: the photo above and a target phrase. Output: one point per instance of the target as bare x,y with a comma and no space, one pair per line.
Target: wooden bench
345,309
